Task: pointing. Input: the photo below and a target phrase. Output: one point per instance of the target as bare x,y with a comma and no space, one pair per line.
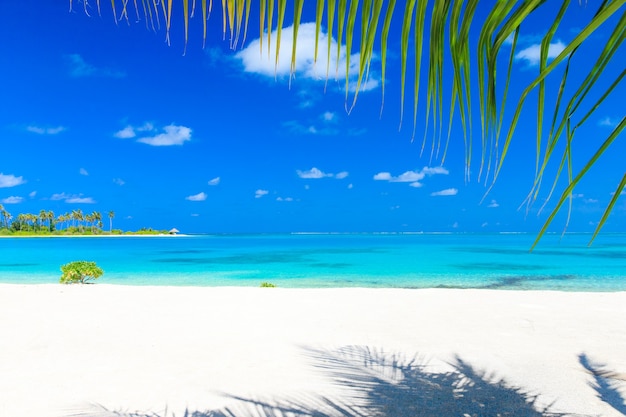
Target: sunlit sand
97,350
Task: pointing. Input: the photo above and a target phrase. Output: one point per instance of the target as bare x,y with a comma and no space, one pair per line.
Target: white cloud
72,198
83,171
173,135
608,122
287,199
119,181
7,181
622,193
312,173
260,193
150,135
315,173
215,181
80,200
455,225
590,200
32,194
306,67
195,215
45,130
80,68
446,192
12,200
350,186
329,117
383,176
532,54
485,224
126,133
413,177
197,197
409,176
59,196
493,204
435,170
366,85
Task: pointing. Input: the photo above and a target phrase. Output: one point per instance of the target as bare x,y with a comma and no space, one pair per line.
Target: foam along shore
98,350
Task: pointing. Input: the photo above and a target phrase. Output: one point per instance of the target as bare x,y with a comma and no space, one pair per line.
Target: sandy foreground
102,350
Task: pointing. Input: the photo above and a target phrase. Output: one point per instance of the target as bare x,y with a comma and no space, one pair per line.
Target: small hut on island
174,231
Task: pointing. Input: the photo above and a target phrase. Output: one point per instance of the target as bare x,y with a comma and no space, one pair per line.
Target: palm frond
449,44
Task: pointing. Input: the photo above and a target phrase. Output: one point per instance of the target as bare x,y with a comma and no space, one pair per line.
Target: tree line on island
70,223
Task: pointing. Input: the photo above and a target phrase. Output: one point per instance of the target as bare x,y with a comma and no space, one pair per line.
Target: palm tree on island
111,215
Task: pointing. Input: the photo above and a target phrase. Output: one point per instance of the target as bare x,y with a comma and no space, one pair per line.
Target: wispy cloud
83,171
260,193
299,128
59,196
608,122
8,181
72,198
286,199
80,200
197,197
315,173
306,65
127,133
329,117
12,200
79,68
446,192
325,124
412,177
214,57
493,204
215,181
32,194
45,130
532,54
119,181
147,133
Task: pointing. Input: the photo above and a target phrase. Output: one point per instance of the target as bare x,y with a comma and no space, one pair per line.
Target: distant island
76,222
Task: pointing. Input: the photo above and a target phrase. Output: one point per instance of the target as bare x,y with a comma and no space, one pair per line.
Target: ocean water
498,261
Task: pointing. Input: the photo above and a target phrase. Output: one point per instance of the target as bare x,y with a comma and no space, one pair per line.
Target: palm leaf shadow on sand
379,384
605,383
371,383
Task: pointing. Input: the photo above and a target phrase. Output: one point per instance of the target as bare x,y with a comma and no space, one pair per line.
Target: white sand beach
98,350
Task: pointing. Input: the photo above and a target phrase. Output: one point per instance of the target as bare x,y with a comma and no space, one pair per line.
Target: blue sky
100,116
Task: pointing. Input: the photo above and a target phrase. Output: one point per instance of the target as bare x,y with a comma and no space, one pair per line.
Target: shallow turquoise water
363,260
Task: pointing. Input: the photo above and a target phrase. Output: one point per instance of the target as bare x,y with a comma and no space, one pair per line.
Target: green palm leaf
496,25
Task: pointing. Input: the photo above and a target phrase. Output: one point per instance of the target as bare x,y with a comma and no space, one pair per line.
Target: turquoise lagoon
497,261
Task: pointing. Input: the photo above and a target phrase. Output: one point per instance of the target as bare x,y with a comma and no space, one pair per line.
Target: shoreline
256,286
99,236
67,348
